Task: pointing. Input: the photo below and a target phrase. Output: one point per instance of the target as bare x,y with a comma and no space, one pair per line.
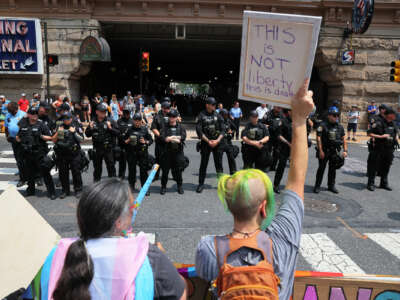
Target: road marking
8,171
7,160
7,152
5,184
388,241
325,256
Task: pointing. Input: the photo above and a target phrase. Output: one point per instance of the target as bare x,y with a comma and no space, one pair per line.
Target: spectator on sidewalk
236,114
220,107
12,119
261,111
4,106
23,103
353,117
35,102
249,196
372,110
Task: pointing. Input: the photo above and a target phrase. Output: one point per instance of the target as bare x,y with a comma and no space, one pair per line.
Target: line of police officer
265,145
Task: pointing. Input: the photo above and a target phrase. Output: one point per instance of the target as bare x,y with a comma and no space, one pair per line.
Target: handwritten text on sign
276,59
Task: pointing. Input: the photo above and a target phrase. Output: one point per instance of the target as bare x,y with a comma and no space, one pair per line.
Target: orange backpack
246,282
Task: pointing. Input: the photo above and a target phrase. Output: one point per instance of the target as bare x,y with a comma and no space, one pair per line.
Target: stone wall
64,39
368,78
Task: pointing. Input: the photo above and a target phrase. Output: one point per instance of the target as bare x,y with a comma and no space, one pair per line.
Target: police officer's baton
143,191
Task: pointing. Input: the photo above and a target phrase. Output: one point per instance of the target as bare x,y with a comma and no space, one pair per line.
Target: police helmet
173,113
63,106
166,104
211,100
166,99
333,110
383,106
137,117
389,111
101,107
253,114
32,110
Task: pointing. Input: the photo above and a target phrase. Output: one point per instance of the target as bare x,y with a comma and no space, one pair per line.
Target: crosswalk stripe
7,152
325,256
5,184
7,160
388,241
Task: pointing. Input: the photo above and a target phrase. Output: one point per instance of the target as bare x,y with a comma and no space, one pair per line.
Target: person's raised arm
302,105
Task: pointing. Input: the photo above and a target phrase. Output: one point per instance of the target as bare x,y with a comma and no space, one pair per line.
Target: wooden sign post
277,55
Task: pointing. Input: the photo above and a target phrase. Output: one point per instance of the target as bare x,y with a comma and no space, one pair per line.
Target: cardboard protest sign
25,238
277,55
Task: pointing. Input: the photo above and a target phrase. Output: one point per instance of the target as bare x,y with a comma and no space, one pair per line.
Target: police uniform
103,139
252,156
124,123
381,151
331,135
285,131
137,152
172,156
211,125
273,120
34,153
68,153
226,143
159,121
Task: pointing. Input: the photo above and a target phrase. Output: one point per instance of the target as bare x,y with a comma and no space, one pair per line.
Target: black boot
333,189
277,190
163,190
200,188
371,187
180,189
317,189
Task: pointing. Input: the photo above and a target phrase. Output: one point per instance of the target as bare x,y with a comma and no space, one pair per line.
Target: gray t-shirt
285,232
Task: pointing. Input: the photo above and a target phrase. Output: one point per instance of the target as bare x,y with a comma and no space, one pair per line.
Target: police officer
210,129
255,137
138,139
273,120
330,139
173,134
159,121
285,139
33,135
383,133
103,131
124,123
43,113
226,143
67,147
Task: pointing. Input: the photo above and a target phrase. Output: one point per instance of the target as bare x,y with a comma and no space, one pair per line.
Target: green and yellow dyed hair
234,188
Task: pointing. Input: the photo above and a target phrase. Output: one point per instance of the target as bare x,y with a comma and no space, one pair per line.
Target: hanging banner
20,46
277,55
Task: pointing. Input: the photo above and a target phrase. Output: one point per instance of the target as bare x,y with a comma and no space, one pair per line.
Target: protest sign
25,238
277,55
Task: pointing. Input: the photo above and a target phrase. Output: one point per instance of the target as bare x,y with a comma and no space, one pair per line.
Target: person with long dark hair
104,263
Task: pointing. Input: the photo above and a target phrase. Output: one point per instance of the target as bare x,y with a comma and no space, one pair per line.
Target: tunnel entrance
201,54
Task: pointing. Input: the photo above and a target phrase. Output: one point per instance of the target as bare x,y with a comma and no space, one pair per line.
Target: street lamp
158,68
231,72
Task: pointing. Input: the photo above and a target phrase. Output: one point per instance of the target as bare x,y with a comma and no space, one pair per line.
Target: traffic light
52,59
395,72
145,61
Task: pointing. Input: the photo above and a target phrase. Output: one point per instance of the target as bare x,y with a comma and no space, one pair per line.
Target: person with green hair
248,195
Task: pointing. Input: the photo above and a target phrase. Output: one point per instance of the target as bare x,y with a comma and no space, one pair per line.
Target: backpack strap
225,245
222,247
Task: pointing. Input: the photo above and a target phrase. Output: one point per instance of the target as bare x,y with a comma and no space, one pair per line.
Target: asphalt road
356,231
